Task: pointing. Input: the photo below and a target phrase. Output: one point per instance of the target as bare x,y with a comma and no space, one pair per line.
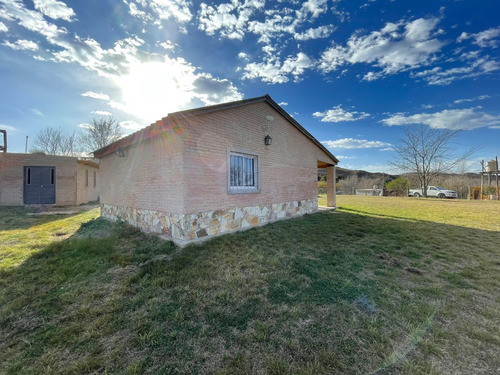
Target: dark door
39,185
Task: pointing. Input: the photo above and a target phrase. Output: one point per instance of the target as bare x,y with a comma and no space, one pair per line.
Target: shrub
321,187
399,186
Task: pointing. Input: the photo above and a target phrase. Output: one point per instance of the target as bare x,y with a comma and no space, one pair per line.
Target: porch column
331,197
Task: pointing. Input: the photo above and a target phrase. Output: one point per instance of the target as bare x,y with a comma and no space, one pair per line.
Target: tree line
93,136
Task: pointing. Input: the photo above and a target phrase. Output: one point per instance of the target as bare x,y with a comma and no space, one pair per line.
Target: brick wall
288,167
149,176
12,179
87,191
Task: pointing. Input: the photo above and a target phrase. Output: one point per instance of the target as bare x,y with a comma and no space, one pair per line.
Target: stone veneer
185,228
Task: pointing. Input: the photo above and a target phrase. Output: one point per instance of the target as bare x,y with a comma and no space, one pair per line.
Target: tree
350,184
53,141
427,153
100,133
400,186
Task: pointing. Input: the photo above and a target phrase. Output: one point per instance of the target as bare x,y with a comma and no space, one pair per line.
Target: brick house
208,171
47,179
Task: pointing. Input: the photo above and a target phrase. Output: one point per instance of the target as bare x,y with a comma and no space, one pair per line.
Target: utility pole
498,190
482,173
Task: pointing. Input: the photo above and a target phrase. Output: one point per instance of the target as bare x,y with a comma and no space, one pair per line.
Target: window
86,177
243,176
95,178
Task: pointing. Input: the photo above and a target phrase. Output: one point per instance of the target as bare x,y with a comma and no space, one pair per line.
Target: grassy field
382,286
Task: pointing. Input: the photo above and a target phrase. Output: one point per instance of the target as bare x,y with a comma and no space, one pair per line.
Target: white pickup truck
433,191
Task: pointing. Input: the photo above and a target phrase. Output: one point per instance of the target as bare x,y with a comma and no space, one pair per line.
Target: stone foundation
185,228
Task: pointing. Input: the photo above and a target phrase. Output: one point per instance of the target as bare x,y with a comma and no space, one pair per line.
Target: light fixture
120,152
268,140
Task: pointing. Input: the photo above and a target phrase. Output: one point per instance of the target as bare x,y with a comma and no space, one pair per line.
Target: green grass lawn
382,286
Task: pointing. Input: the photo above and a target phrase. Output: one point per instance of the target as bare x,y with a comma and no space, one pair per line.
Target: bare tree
53,141
427,153
350,184
100,133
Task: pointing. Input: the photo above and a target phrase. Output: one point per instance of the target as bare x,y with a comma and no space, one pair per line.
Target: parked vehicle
433,191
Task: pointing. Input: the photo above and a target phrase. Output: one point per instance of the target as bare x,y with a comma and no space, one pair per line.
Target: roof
88,162
170,121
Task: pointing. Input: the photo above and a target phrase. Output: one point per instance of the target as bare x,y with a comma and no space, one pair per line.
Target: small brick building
47,179
208,171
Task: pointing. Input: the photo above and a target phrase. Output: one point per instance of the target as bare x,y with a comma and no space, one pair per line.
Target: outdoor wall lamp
120,152
268,140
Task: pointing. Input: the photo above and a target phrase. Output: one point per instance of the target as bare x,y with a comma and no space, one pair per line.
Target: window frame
256,173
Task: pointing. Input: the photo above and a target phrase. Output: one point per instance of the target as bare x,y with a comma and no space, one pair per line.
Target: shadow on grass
323,294
12,218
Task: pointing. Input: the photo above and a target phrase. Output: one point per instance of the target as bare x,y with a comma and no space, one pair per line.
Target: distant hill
343,173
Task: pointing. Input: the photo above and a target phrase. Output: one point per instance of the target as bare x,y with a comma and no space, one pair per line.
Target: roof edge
294,122
147,132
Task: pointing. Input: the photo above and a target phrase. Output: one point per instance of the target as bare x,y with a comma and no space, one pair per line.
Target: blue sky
351,72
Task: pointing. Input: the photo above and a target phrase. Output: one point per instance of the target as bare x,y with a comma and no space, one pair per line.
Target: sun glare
154,89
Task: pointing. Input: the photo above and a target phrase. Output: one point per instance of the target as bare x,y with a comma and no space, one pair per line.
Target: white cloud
233,20
36,112
102,113
338,114
135,12
54,9
8,128
96,95
316,33
346,157
372,76
155,10
315,7
243,56
31,20
283,103
272,71
168,45
480,97
230,19
3,28
484,38
443,77
130,125
467,119
352,143
288,21
106,62
395,48
22,44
